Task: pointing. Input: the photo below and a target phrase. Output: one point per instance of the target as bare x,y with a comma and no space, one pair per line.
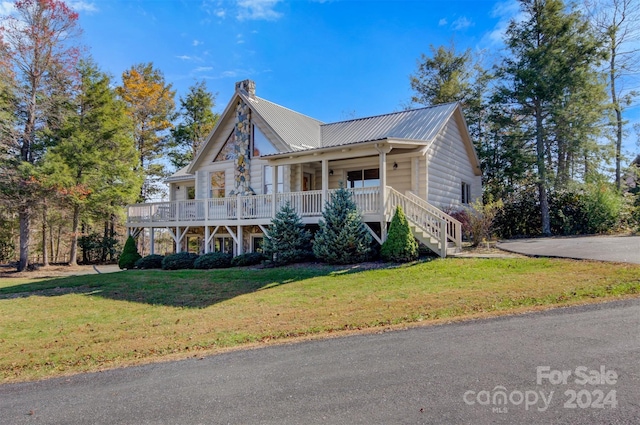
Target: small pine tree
129,254
400,245
343,237
288,241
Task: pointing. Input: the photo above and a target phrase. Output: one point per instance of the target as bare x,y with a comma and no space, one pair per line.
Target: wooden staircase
440,232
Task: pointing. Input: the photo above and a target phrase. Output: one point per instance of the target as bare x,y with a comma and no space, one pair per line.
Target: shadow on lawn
183,288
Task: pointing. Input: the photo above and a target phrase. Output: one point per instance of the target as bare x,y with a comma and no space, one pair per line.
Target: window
224,244
217,185
465,190
191,192
364,178
261,145
228,151
268,183
256,243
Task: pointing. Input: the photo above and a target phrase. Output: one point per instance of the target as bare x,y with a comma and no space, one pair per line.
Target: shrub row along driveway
623,249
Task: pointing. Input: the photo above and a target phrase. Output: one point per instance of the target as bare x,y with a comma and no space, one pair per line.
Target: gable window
363,178
268,183
261,145
216,189
228,151
465,192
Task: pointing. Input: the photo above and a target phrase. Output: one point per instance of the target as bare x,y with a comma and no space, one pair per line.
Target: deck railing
306,204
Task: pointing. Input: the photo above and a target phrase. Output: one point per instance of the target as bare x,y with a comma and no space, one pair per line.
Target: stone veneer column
242,146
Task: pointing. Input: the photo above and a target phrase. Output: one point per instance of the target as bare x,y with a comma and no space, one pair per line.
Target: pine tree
343,237
288,241
400,245
129,254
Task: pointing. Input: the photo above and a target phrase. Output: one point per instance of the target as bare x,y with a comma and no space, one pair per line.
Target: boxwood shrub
153,261
213,260
248,259
179,261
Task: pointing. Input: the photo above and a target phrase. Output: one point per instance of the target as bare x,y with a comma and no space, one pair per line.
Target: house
261,155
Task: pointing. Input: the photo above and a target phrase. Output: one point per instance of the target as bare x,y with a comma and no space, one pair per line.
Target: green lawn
68,325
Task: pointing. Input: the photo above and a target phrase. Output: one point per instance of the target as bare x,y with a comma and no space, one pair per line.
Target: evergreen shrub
342,237
179,261
129,254
248,259
288,241
401,246
213,260
153,261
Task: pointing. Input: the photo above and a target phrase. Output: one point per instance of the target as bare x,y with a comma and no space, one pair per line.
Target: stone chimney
248,87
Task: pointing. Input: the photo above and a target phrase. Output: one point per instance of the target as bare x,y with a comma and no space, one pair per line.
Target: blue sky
329,59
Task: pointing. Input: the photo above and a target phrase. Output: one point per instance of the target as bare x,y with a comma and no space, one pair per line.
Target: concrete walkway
623,249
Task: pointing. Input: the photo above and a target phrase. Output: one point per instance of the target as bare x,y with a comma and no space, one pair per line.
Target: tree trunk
105,241
24,215
112,235
73,257
45,246
542,173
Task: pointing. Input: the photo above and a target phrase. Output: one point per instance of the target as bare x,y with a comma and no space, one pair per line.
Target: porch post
325,183
178,240
240,250
274,191
152,241
382,152
207,238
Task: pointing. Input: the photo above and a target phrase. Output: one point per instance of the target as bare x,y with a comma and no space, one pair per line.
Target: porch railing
307,204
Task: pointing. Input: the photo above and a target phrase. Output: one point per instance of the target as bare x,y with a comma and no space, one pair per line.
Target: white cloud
258,10
83,6
506,11
442,22
220,13
185,57
196,43
203,69
6,8
239,39
461,23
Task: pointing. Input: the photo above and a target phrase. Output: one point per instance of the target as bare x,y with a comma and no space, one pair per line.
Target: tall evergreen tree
618,22
198,119
552,57
94,160
342,237
288,240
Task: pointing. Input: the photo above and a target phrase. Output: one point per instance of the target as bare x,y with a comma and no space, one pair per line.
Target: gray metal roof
298,131
416,124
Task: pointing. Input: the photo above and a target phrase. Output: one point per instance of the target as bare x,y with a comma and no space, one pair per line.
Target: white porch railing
454,227
307,204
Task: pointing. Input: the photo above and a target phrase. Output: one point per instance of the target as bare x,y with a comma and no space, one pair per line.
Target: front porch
233,214
248,210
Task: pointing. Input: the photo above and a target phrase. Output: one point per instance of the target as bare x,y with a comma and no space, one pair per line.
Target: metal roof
416,124
298,131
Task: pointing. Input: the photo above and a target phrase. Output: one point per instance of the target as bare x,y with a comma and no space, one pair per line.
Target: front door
307,181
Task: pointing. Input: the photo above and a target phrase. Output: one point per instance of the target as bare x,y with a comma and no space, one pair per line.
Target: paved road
624,249
437,374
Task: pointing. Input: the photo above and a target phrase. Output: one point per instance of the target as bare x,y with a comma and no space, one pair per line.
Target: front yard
59,326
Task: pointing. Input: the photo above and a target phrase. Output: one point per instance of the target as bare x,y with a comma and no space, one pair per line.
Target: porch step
430,242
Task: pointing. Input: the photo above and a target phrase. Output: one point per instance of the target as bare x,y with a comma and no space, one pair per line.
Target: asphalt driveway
623,249
449,374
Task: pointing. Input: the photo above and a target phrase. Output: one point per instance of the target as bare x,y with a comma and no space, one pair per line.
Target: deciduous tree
38,40
151,106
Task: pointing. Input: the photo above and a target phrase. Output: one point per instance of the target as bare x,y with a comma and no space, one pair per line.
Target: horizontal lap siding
449,165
